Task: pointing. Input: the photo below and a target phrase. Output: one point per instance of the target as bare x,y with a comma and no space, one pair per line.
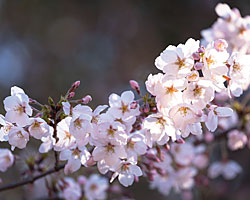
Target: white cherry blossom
126,172
6,159
17,107
228,169
76,156
236,140
18,137
96,187
38,128
213,115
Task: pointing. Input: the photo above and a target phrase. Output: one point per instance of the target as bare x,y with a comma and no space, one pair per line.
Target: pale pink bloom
81,110
110,151
229,122
185,119
66,107
126,122
183,153
200,159
18,137
66,139
103,167
112,130
120,106
17,107
199,94
177,61
164,183
214,67
185,178
229,169
152,81
96,187
126,172
239,73
220,45
48,142
6,159
231,27
72,190
213,115
4,131
80,127
76,156
223,10
38,128
236,140
135,146
160,128
169,91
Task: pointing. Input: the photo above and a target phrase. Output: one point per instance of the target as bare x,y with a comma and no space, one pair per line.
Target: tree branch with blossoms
165,135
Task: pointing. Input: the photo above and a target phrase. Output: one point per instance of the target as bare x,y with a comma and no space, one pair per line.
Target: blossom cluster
164,136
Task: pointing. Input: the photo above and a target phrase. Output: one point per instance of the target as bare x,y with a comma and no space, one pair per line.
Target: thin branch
30,180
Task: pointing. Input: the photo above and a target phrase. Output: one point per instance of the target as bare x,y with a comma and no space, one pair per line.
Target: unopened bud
152,157
150,176
196,56
167,147
82,180
201,49
134,84
180,141
86,99
76,84
198,65
136,179
146,108
71,95
133,105
220,45
209,137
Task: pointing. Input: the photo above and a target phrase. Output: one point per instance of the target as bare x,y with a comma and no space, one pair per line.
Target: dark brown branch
30,180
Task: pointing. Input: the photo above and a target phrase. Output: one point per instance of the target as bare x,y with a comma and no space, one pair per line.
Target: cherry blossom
96,187
6,159
17,107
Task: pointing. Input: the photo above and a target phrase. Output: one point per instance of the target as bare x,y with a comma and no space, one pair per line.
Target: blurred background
46,45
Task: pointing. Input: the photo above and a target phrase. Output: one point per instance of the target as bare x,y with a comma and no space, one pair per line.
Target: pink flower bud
201,49
76,84
198,66
167,147
71,95
150,176
220,45
134,84
152,157
146,108
209,137
86,99
136,179
82,180
196,56
133,105
180,141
